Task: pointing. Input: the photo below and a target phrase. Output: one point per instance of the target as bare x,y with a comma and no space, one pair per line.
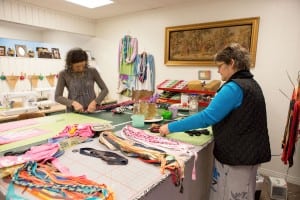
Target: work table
136,180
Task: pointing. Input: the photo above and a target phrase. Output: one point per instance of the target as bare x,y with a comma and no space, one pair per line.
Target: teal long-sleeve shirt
228,98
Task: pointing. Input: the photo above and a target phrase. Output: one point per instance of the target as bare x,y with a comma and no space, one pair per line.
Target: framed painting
196,44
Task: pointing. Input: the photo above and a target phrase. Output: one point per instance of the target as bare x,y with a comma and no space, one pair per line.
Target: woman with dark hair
79,79
238,118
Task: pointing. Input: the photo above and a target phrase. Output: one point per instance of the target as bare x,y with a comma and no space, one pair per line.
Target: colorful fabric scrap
42,179
147,154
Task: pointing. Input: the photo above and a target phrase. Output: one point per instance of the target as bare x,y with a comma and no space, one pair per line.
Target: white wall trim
288,178
28,14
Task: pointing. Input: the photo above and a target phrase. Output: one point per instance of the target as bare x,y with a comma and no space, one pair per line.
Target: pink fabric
17,124
14,136
83,130
155,140
36,153
63,169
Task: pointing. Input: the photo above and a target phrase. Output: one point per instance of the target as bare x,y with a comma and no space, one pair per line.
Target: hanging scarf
126,48
142,74
292,129
145,76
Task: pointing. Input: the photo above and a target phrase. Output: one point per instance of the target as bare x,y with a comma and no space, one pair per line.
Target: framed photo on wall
21,50
43,52
55,53
2,50
196,44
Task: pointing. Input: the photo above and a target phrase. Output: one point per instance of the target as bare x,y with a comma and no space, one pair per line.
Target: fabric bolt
242,181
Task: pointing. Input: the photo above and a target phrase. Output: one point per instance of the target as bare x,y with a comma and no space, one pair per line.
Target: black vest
241,138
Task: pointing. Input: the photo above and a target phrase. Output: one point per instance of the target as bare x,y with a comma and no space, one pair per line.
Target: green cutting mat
195,140
53,124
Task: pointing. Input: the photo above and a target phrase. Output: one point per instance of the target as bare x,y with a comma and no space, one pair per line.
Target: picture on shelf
2,50
10,52
21,50
55,53
43,52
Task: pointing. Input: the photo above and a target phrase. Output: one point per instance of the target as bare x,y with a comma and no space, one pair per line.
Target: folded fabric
83,130
36,153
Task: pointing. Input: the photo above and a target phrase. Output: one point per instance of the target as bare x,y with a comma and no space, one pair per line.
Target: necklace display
142,75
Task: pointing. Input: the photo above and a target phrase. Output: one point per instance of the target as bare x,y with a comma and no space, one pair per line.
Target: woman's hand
92,106
77,106
164,130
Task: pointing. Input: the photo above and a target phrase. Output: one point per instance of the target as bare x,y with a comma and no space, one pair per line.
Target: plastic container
193,104
138,120
174,110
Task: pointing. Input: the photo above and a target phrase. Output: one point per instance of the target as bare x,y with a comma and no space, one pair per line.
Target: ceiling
119,7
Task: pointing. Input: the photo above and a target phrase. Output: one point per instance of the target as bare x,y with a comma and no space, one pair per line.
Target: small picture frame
21,50
55,53
204,74
43,52
2,50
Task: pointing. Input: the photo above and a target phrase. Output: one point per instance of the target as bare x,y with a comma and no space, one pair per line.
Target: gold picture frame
196,44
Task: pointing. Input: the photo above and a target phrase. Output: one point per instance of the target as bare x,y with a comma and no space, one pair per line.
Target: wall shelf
180,86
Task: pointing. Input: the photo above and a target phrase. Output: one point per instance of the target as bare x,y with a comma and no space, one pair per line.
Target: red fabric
289,146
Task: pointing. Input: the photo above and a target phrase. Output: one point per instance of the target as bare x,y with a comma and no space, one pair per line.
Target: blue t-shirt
228,98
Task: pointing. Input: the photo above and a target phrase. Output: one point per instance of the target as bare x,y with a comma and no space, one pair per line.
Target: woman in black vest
238,118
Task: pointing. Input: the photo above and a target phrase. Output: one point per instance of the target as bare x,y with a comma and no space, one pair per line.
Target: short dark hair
239,54
75,55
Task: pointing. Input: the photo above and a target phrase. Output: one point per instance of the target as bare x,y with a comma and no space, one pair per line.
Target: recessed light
91,3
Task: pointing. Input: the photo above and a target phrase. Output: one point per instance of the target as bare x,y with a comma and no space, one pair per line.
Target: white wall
277,53
29,14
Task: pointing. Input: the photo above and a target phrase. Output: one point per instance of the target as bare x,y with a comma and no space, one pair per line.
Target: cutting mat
52,125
